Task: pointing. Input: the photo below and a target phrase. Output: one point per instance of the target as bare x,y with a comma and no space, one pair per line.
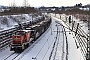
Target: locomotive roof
25,30
34,26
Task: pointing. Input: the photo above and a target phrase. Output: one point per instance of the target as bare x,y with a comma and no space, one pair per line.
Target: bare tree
25,3
13,4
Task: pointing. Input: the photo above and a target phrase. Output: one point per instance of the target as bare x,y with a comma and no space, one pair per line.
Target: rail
81,36
56,42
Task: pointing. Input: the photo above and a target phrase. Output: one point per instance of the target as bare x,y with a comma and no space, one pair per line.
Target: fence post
66,18
60,16
77,29
73,22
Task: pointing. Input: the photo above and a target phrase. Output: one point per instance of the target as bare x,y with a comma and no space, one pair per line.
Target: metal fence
5,37
81,36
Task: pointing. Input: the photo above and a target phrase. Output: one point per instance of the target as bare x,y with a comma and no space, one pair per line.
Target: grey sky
46,2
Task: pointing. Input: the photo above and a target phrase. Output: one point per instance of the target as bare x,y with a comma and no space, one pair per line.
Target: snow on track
5,53
42,49
12,56
74,53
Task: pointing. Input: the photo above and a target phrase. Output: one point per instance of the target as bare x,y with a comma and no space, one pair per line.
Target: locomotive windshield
20,33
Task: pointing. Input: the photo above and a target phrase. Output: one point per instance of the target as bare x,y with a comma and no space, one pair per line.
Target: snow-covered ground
74,53
42,48
83,24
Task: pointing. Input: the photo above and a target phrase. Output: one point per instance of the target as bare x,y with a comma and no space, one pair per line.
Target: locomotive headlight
22,46
10,45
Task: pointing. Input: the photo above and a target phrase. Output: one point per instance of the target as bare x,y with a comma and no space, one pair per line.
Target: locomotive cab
20,39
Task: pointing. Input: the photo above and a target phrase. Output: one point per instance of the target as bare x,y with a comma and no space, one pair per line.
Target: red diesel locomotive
20,39
23,38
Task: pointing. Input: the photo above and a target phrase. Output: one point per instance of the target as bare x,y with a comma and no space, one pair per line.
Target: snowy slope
9,21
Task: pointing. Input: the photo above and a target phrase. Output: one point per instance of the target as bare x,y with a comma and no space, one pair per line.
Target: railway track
6,35
60,43
5,40
11,56
80,36
14,55
32,45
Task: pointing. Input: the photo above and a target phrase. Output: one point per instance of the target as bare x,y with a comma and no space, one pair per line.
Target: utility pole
25,3
51,19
